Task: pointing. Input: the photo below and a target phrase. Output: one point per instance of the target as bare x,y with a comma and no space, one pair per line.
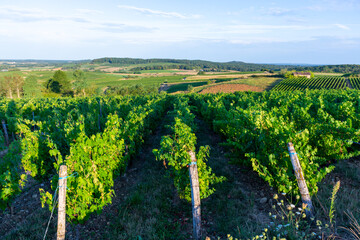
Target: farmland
315,83
100,77
127,152
121,134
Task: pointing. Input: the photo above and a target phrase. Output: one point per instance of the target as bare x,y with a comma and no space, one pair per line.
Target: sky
257,31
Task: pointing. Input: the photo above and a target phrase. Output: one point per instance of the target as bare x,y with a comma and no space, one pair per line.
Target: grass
234,207
152,208
101,80
348,172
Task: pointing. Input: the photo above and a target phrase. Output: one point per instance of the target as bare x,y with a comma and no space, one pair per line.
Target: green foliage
11,181
2,142
190,88
59,83
94,158
31,87
97,158
175,150
36,148
97,137
257,127
80,82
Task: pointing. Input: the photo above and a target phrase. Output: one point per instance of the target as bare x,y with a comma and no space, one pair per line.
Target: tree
7,86
10,83
80,82
31,87
18,82
53,86
59,83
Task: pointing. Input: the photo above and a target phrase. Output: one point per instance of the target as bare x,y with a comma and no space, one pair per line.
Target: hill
161,64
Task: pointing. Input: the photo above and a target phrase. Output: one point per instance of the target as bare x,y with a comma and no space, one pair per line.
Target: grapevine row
355,82
175,150
303,83
257,127
94,158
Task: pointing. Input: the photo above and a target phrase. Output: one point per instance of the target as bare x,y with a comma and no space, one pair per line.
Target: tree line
161,63
346,68
154,64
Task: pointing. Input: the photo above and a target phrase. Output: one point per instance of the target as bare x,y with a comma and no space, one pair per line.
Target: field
103,76
228,88
139,184
328,82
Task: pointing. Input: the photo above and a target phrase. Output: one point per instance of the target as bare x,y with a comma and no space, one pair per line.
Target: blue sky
259,31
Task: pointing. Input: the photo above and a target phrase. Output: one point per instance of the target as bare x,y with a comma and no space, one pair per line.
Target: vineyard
98,137
355,82
302,83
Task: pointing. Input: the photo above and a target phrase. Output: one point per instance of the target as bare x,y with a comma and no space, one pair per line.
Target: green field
101,79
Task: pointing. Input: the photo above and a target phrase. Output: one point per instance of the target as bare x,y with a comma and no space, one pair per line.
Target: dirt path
236,205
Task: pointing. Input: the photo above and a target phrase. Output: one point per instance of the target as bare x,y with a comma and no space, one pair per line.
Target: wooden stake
5,132
33,120
62,203
304,191
195,196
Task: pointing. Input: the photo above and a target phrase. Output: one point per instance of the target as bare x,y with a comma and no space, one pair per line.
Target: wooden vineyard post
304,191
62,203
195,196
33,120
5,132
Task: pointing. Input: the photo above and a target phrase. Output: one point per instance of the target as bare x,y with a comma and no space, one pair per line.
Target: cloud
280,11
157,12
338,5
89,11
23,14
344,27
114,27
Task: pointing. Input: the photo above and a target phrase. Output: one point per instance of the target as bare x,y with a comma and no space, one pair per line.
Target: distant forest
346,68
163,64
